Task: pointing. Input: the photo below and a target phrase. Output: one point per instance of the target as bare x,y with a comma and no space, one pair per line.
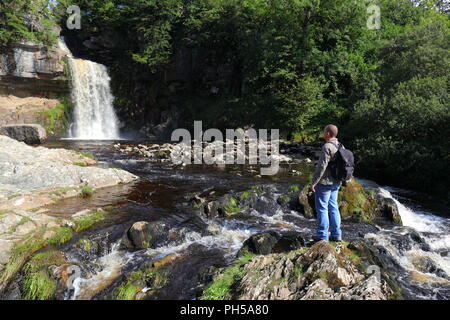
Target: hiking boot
314,241
336,239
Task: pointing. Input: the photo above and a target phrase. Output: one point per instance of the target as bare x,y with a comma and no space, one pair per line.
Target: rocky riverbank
202,232
331,271
33,177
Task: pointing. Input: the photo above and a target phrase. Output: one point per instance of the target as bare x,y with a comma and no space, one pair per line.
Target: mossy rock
152,275
39,283
355,203
306,202
229,205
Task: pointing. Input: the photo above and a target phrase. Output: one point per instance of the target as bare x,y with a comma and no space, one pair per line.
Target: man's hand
313,188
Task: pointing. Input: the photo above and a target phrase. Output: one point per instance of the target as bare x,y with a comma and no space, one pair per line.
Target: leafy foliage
26,20
293,65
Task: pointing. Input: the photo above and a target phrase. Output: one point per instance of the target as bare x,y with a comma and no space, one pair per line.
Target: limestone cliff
34,86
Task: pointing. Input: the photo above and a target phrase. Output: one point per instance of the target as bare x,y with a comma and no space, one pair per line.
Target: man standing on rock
326,189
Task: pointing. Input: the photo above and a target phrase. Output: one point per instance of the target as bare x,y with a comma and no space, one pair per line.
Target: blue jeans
327,209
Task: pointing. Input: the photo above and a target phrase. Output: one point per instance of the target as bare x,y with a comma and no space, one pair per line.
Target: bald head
331,130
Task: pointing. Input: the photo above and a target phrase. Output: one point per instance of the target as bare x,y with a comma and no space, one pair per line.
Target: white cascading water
434,231
94,117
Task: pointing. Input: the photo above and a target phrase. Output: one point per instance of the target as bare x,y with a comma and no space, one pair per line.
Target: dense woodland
295,65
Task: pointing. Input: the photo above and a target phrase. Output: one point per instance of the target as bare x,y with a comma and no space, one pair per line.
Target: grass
283,199
87,191
298,270
351,255
62,191
245,195
257,188
87,154
62,235
58,116
34,241
323,275
38,283
85,244
80,164
232,207
221,287
128,292
39,286
150,276
86,222
20,253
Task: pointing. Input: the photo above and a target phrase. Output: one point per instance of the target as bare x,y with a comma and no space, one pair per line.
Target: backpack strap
337,146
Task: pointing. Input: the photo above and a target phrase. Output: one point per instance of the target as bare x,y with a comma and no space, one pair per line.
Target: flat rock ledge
32,177
28,173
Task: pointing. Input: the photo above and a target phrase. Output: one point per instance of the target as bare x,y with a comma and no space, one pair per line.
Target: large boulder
388,205
138,236
355,202
144,235
28,133
306,202
320,272
273,242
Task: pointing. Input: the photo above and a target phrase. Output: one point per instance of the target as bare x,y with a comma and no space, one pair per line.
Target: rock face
34,83
320,272
31,60
22,107
28,133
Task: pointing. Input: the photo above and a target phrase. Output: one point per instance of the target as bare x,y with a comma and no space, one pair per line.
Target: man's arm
322,164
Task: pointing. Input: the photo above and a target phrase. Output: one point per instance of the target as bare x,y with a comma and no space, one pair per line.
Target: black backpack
342,167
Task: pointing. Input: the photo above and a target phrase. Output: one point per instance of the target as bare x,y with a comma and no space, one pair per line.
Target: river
417,252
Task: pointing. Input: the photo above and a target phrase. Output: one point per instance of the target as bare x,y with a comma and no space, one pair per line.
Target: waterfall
93,114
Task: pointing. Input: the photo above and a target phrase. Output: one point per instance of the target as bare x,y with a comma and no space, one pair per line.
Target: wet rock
138,236
427,265
28,133
265,200
185,151
175,276
388,206
428,279
272,242
192,224
261,243
143,235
